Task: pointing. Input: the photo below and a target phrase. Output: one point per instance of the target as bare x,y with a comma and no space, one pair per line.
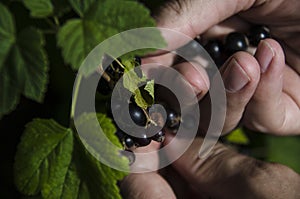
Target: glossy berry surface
235,42
258,33
215,50
159,137
173,119
128,141
143,140
137,114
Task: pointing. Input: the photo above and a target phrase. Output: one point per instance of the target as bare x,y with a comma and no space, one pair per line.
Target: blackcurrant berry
215,50
143,140
103,87
159,137
236,41
137,114
128,141
258,33
173,119
120,134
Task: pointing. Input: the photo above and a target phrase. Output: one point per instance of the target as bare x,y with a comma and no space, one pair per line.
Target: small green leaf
43,158
131,81
39,8
238,136
139,100
23,64
98,22
150,88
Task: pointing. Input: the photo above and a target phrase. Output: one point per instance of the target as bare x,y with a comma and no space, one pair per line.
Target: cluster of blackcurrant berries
234,42
155,120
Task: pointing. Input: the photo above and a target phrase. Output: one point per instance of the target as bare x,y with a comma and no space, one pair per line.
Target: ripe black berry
128,141
143,140
120,134
215,50
258,33
137,114
159,137
236,41
173,119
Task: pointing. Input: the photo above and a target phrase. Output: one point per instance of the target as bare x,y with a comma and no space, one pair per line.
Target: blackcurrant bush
137,114
159,137
258,33
235,41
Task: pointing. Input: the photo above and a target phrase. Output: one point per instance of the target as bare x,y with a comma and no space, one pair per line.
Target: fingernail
264,55
234,77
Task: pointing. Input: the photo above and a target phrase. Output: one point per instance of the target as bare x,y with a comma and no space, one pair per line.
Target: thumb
193,17
226,174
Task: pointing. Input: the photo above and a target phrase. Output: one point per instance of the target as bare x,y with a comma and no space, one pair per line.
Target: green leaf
238,136
284,150
81,6
100,179
7,33
24,71
139,100
43,158
100,21
39,8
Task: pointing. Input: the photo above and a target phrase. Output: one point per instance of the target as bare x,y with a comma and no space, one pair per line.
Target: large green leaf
23,64
50,164
81,6
43,158
39,8
7,33
100,21
100,178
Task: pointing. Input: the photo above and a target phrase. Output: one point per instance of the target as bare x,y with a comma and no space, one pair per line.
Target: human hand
267,101
223,174
262,90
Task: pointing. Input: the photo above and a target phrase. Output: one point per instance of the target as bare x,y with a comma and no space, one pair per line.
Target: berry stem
75,96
